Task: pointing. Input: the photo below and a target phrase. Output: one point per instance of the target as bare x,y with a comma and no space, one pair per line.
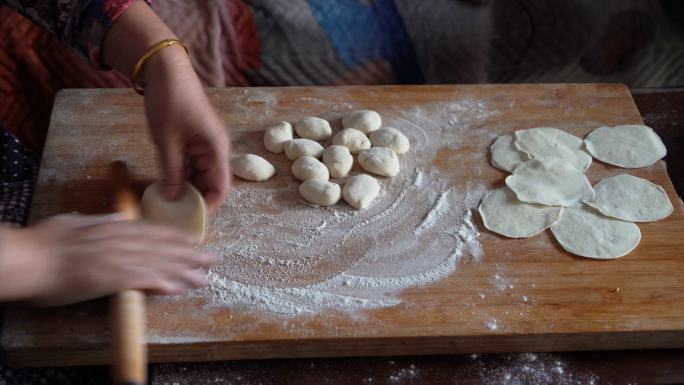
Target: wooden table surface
653,366
661,109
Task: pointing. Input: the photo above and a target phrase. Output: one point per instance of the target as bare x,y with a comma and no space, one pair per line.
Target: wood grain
570,303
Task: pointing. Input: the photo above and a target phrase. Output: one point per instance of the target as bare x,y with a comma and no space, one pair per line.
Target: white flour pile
284,256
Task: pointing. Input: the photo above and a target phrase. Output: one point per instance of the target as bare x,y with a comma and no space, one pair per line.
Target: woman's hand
71,258
191,138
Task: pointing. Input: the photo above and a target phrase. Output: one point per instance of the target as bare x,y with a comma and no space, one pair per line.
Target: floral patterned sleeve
80,24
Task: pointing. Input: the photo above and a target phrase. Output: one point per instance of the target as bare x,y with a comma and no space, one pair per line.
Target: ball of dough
365,121
296,148
188,213
313,128
339,160
379,160
353,139
275,136
320,192
360,190
308,167
390,138
252,167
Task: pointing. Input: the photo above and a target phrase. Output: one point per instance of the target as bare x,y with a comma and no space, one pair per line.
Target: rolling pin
127,311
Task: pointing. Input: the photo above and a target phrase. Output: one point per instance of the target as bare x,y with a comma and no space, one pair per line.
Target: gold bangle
145,57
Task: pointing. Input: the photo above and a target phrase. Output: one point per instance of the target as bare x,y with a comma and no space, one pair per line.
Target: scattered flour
293,258
283,256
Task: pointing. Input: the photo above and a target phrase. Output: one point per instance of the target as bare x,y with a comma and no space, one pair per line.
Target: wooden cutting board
519,295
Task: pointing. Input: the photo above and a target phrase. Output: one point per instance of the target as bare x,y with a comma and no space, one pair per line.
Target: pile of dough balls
376,148
547,188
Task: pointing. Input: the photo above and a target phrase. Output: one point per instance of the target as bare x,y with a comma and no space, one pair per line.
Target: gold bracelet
145,57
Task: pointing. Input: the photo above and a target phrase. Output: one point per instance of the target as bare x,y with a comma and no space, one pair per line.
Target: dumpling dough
296,148
360,190
308,167
339,160
313,128
353,139
188,213
379,160
252,167
390,138
630,198
585,232
629,146
503,213
365,121
551,143
505,155
320,192
550,183
275,136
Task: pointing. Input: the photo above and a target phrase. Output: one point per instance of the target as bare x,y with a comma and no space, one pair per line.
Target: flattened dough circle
187,213
630,198
505,155
551,143
551,183
504,214
585,232
629,146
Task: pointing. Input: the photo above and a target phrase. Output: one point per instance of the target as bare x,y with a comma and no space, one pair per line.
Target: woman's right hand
71,258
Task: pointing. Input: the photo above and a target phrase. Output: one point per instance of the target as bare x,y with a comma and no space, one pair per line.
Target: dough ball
551,183
379,160
313,128
320,192
631,199
551,143
308,167
365,121
629,146
252,167
339,160
503,213
390,138
353,139
275,136
505,155
188,213
360,190
585,232
296,148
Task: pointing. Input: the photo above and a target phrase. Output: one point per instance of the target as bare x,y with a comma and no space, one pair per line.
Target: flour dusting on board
284,256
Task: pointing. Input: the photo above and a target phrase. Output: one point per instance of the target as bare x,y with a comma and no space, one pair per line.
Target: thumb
173,170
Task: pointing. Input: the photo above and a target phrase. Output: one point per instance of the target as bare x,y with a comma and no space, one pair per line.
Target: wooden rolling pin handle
128,307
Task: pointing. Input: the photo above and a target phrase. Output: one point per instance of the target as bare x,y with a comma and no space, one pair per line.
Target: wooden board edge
394,346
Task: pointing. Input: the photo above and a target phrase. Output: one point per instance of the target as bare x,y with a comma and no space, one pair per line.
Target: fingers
211,170
134,233
173,169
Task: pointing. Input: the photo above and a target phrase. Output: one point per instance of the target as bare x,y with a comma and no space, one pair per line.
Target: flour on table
283,256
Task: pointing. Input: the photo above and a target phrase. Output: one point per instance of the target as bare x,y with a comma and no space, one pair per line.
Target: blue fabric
367,31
